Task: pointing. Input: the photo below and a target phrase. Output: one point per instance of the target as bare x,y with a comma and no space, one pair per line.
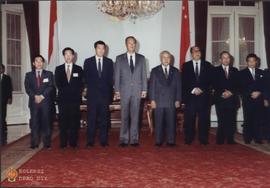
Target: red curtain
266,17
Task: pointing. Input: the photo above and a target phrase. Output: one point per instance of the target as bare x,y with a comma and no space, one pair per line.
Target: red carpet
146,166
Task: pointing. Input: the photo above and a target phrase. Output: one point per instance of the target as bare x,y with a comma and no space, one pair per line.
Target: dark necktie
197,71
99,68
166,72
38,79
131,64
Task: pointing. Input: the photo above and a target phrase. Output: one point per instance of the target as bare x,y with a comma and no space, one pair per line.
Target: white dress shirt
168,68
133,58
101,62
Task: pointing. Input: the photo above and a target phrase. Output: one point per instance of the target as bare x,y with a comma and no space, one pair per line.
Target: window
13,42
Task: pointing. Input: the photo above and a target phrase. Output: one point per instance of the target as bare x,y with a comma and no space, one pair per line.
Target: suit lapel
126,63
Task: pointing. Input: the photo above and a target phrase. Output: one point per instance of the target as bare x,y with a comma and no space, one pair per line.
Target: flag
53,50
185,34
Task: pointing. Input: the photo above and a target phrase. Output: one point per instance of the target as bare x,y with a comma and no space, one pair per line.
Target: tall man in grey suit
130,87
165,96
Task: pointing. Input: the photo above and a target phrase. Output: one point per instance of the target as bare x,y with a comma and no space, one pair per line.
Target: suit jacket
100,89
6,89
267,84
45,89
165,91
249,85
221,83
69,92
190,82
127,83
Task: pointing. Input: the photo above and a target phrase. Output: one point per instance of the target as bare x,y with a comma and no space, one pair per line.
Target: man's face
252,62
131,45
38,63
100,50
68,56
225,59
196,53
165,59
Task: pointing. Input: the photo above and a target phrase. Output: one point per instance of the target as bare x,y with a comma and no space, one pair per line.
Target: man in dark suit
251,85
69,82
98,74
196,96
6,98
226,98
165,97
267,101
39,85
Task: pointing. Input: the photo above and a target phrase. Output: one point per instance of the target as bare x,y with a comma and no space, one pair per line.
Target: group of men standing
195,89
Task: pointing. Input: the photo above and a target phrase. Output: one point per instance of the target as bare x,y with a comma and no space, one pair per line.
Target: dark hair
131,37
68,49
2,66
100,42
251,56
40,56
192,47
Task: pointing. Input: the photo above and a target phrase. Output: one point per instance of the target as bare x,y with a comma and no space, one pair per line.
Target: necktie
226,72
38,79
68,73
253,74
197,71
166,72
131,64
99,67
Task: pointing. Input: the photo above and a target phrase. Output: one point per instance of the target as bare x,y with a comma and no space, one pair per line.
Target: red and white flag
185,34
53,50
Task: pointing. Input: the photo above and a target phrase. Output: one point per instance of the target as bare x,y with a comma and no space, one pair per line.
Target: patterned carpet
146,166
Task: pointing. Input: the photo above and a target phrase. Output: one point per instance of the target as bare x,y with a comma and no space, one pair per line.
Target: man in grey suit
130,87
165,96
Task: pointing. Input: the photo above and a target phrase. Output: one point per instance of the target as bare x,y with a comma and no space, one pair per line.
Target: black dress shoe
135,145
220,143
89,145
63,147
188,143
231,143
158,144
47,147
247,142
259,142
123,145
204,143
171,144
104,144
34,147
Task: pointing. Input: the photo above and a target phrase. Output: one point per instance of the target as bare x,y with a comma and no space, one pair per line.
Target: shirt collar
101,58
129,54
199,62
163,67
223,66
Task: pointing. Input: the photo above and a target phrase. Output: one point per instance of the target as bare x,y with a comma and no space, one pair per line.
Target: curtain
266,17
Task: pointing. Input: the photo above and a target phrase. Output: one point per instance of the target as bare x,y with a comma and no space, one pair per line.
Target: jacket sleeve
117,75
152,86
144,76
48,90
178,86
27,84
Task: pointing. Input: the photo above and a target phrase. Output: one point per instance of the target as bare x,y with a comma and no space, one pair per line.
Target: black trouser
165,117
40,124
201,109
3,124
69,122
268,123
98,117
226,124
253,122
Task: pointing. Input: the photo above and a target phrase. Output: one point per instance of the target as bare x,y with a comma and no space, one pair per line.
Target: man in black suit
98,74
226,98
6,98
69,82
165,97
251,85
267,101
39,85
196,96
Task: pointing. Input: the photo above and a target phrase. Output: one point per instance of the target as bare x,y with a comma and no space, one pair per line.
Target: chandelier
132,9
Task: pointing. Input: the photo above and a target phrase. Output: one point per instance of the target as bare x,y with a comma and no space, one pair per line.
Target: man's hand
116,96
37,99
266,103
153,105
198,91
226,94
143,95
255,94
177,104
9,101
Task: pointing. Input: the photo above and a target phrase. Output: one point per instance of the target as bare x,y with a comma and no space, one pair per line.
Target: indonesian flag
185,34
53,56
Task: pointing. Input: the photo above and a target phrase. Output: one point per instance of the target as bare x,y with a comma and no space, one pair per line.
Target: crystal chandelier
132,9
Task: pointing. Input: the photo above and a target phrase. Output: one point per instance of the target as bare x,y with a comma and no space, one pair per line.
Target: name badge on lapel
45,80
75,75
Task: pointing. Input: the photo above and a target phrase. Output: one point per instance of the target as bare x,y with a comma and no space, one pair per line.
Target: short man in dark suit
251,85
6,98
226,98
267,101
39,85
196,78
69,82
98,74
165,97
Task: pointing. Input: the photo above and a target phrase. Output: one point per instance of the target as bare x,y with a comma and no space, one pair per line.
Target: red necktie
38,79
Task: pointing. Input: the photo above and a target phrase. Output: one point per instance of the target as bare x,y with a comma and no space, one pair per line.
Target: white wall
81,24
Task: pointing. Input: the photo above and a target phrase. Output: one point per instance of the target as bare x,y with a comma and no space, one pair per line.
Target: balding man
165,96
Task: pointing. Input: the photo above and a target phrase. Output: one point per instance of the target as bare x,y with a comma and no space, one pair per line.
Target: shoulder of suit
60,66
107,59
156,68
174,68
140,55
89,59
47,72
